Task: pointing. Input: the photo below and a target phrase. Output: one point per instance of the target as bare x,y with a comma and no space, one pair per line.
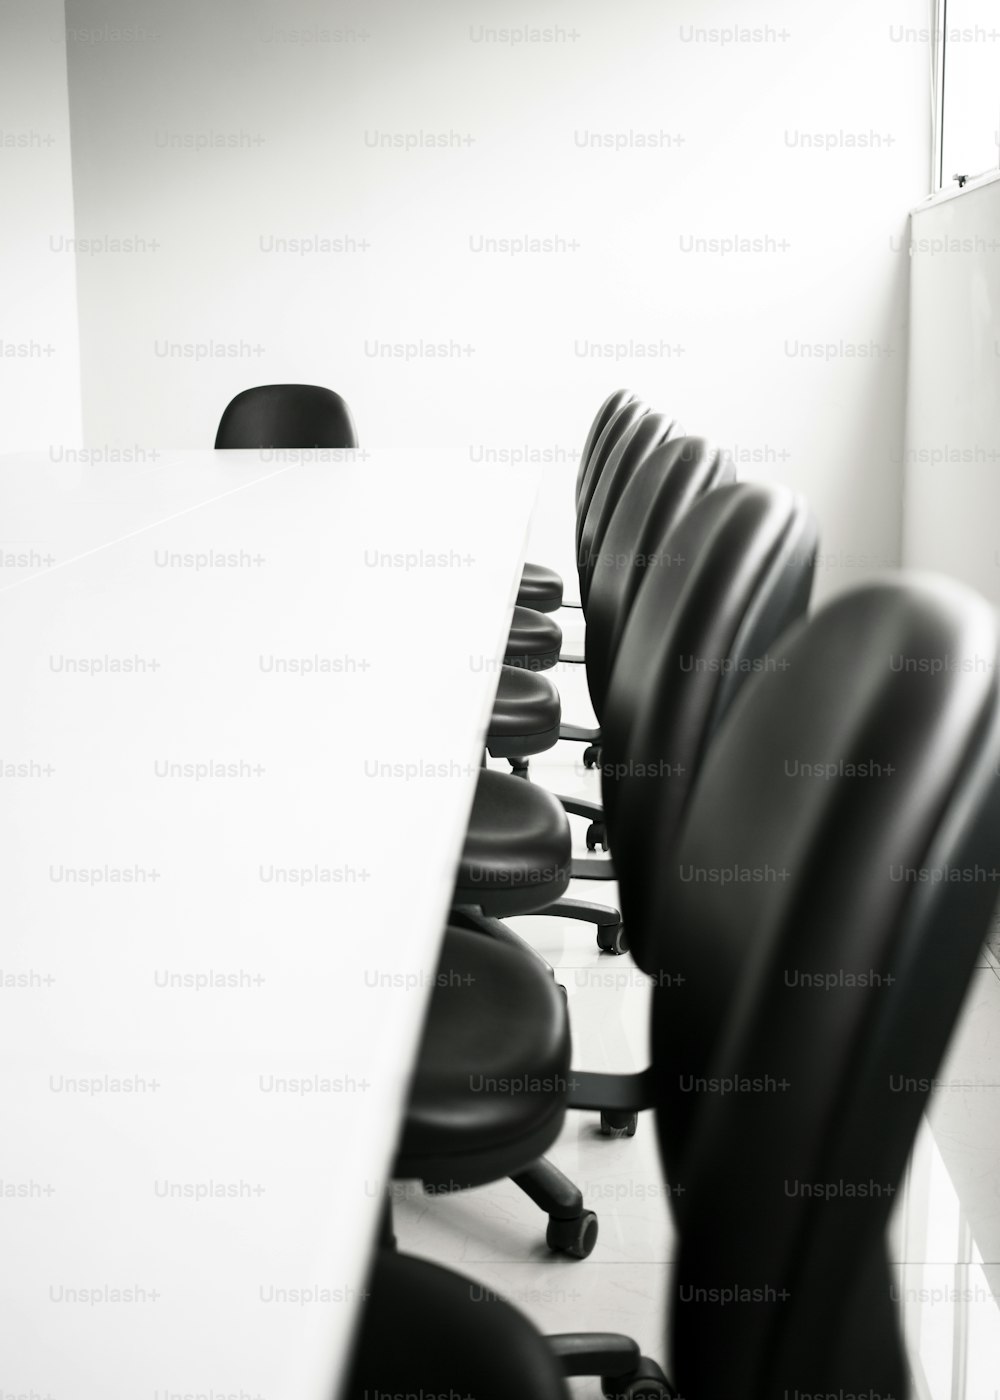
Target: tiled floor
947,1221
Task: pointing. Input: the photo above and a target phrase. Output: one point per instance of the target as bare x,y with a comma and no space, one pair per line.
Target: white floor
948,1218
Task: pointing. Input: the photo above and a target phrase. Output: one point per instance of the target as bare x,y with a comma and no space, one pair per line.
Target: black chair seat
541,589
489,1093
516,857
429,1331
526,714
535,641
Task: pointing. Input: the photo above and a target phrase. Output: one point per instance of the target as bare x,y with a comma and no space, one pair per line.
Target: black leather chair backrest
632,452
831,916
615,432
731,577
287,415
673,477
611,405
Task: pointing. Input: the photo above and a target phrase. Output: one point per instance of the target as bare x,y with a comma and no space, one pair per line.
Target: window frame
940,185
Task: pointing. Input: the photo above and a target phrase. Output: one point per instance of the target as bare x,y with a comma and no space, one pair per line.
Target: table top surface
244,701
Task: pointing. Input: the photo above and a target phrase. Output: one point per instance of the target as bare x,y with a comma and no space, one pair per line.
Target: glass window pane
971,104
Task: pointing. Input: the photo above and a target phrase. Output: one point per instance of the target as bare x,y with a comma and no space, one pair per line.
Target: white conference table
242,709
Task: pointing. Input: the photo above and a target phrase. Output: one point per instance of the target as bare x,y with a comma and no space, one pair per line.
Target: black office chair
510,829
541,588
631,437
599,495
651,501
728,593
639,509
286,416
619,427
760,1083
649,505
888,895
712,679
629,458
609,409
535,641
664,592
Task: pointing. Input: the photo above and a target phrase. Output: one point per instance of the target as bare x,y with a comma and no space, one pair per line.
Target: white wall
952,502
730,162
39,347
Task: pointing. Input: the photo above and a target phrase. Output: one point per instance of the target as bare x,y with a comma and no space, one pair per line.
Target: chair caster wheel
597,836
615,1124
646,1382
576,1237
611,938
591,755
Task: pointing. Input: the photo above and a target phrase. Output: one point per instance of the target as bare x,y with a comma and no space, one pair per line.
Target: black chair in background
767,1087
287,416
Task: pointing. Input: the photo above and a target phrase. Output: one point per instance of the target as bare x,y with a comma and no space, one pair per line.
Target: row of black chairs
636,482
781,795
674,557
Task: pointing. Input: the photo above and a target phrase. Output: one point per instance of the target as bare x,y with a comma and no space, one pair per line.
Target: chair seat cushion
535,641
426,1331
526,714
516,857
541,589
489,1091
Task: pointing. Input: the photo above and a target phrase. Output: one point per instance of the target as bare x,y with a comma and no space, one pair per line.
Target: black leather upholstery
526,713
516,856
722,582
616,431
870,873
489,1092
672,478
287,415
611,406
739,573
541,589
629,456
535,641
428,1332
